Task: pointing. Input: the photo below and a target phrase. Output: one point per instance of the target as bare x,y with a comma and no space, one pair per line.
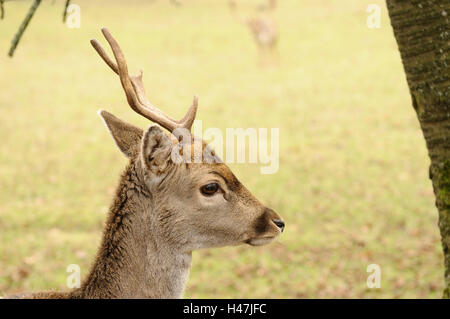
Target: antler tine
102,53
185,122
134,88
189,118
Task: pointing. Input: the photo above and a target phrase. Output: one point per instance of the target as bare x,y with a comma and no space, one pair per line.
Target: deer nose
279,223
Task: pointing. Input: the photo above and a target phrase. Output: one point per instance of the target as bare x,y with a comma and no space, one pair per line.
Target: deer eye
210,189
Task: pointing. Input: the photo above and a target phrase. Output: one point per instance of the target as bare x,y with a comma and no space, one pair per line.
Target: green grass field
353,182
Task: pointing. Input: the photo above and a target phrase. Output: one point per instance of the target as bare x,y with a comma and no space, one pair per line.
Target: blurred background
352,184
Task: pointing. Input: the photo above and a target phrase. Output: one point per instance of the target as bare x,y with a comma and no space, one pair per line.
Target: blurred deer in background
165,208
269,5
173,2
262,27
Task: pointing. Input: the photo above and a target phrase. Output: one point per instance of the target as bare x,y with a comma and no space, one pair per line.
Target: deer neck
132,261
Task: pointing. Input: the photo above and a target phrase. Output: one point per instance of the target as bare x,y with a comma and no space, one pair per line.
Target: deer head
194,205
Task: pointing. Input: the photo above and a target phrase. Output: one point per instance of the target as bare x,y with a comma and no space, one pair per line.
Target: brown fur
159,216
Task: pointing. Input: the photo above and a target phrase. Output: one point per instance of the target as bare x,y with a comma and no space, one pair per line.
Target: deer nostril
280,224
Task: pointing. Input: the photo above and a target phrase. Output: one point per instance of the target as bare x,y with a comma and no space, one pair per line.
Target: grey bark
422,32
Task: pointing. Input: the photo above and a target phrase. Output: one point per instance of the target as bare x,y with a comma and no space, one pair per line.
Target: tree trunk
421,28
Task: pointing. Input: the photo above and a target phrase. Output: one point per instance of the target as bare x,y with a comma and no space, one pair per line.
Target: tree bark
421,28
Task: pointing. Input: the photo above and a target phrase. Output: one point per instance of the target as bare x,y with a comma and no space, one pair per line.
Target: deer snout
275,218
268,226
279,223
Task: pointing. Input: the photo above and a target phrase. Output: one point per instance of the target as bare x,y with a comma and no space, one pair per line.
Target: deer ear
156,149
126,136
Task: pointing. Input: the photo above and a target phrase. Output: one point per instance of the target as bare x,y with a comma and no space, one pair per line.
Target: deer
174,2
262,27
164,208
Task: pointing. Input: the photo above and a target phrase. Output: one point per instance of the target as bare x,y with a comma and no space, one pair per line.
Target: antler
134,88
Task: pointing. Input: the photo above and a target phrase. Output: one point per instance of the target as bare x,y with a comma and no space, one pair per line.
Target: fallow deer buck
164,209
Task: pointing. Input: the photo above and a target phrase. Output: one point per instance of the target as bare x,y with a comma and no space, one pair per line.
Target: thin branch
65,10
2,9
23,27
